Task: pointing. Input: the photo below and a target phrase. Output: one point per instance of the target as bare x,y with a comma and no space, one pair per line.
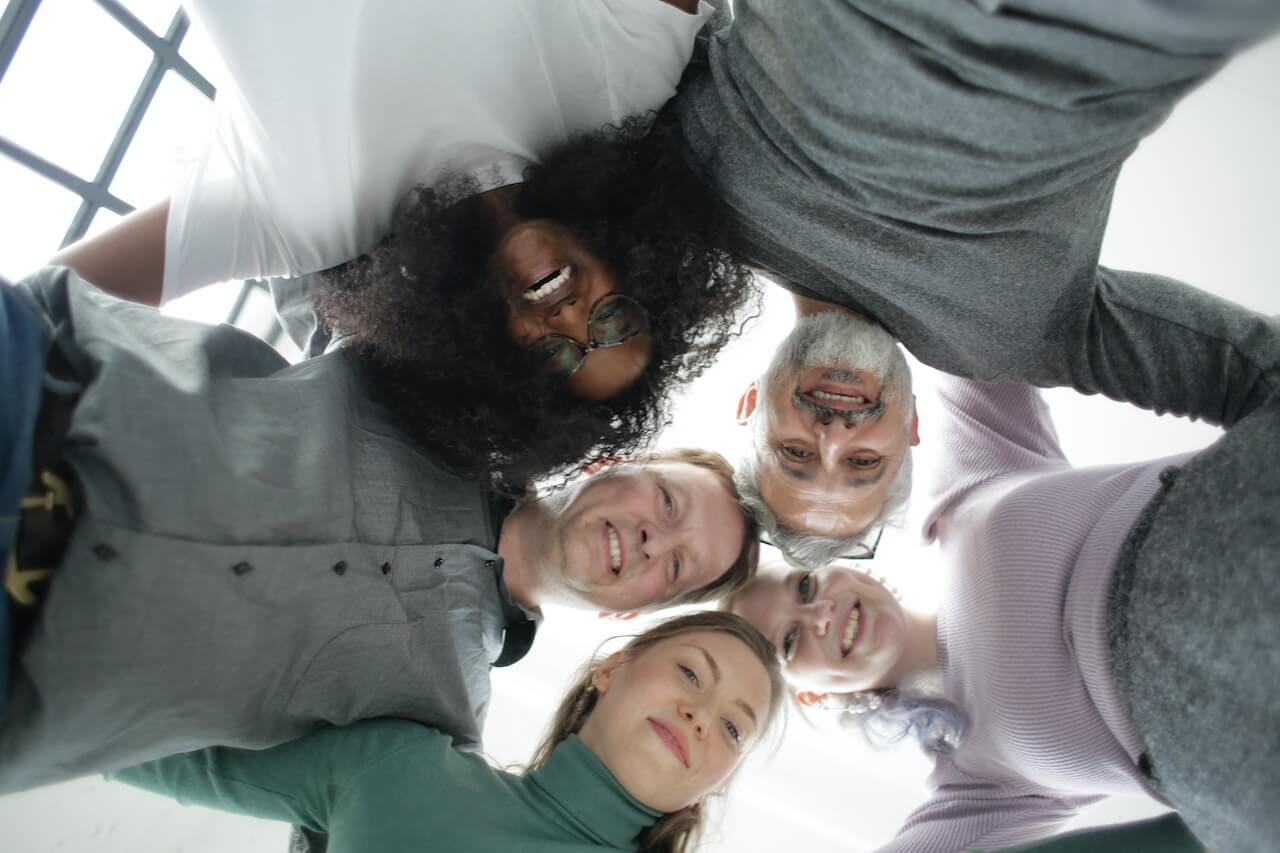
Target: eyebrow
711,663
860,482
715,675
795,473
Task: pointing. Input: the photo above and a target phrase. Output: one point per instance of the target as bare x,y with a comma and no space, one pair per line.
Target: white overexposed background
1200,201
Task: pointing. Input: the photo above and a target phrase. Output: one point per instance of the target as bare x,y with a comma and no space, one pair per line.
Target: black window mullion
13,26
129,126
165,48
98,195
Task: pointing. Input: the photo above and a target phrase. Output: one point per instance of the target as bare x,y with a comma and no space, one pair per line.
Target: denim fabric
22,344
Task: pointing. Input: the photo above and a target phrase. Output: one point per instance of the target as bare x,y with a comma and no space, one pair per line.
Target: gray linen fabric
1196,638
948,167
258,551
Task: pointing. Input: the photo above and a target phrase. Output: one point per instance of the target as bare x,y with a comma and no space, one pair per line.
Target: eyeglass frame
592,345
870,555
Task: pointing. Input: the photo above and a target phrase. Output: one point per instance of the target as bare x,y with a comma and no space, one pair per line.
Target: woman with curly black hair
625,294
529,268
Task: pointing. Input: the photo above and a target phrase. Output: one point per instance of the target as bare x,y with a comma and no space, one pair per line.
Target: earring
861,702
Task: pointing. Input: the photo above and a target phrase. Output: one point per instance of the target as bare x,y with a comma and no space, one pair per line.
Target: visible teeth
549,285
839,398
851,630
615,550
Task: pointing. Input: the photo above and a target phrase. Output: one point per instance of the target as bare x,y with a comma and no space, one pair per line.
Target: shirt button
340,567
439,562
386,568
104,551
241,568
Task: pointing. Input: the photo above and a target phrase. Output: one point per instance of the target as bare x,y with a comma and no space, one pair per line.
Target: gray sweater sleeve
1163,345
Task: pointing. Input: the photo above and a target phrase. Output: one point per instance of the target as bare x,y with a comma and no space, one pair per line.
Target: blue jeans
22,348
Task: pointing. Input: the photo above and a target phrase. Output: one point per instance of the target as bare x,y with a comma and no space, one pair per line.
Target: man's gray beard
846,345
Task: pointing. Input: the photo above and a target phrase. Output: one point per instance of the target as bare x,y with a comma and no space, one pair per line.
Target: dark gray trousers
1195,636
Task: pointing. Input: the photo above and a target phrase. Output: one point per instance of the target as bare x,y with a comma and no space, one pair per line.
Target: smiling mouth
548,285
614,542
833,397
673,740
852,626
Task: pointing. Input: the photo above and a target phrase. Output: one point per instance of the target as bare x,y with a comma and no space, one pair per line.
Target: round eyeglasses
614,319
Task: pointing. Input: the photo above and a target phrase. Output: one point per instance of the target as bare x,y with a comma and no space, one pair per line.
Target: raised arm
1163,345
127,259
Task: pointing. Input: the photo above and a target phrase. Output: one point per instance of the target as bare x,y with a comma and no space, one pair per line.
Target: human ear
604,673
747,403
914,429
810,699
618,615
595,466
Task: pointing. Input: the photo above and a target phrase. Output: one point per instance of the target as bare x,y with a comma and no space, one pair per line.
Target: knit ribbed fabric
1030,545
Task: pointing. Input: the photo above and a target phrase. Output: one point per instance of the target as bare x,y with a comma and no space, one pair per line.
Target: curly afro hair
428,324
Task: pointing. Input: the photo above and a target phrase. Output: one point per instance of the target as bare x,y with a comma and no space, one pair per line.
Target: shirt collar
590,795
519,624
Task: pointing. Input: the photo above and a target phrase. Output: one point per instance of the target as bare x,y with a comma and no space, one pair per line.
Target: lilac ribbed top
1030,544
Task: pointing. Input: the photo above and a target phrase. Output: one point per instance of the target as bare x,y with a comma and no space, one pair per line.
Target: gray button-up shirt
258,550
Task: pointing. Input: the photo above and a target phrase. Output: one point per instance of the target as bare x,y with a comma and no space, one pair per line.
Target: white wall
1199,201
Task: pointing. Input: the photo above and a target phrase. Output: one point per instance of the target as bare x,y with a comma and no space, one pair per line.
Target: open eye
797,453
806,587
675,569
788,644
689,675
668,505
865,461
734,733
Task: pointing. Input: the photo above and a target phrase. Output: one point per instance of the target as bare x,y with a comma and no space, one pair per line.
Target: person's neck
920,657
515,546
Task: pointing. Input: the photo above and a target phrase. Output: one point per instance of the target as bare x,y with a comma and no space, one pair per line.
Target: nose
819,615
656,540
697,716
831,439
570,319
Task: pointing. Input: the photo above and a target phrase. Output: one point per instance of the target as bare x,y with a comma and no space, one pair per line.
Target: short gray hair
807,550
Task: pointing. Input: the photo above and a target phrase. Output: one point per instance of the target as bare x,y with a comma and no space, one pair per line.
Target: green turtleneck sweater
392,785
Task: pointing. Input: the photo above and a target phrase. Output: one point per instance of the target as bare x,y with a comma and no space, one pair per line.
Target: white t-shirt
332,110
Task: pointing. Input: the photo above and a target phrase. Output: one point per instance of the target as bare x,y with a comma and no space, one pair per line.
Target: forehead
819,507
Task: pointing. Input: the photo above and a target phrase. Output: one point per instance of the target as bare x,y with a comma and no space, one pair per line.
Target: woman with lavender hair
1101,631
